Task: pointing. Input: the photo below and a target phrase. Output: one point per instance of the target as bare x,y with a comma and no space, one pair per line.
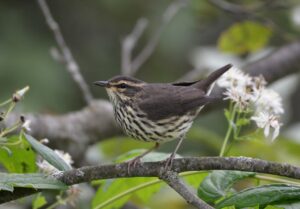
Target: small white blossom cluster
20,94
26,125
251,92
49,169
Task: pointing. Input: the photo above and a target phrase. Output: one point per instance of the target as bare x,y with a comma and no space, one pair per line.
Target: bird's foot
132,163
169,162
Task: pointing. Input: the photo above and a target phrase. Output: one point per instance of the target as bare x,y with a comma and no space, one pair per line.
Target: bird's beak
101,83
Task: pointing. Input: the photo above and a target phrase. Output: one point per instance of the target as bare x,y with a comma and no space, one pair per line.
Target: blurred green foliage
20,158
245,37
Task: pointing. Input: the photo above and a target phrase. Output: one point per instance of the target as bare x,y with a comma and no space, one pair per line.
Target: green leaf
288,205
218,183
146,189
151,157
115,193
17,156
39,201
48,154
273,207
227,114
195,179
262,195
116,146
242,122
109,190
35,180
244,37
9,152
287,150
6,187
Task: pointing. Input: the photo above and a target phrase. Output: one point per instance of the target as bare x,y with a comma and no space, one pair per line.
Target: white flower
251,92
269,101
65,156
267,121
26,125
49,169
22,91
239,87
44,141
20,94
73,194
46,167
234,78
239,95
257,86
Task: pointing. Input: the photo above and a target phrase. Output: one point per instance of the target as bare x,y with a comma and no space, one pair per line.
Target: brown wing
160,101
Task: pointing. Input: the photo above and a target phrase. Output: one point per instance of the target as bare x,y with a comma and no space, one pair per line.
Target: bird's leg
169,161
137,159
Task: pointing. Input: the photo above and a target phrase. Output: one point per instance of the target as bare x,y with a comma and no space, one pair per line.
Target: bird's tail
205,83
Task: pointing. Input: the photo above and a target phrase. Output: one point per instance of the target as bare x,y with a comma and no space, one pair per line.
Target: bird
158,112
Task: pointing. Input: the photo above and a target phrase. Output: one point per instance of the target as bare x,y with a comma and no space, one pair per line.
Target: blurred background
200,37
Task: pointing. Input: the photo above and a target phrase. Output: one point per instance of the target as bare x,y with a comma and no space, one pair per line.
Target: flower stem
10,108
10,129
229,131
276,179
5,103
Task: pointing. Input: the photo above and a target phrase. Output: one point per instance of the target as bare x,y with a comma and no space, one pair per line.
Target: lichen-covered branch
155,169
173,180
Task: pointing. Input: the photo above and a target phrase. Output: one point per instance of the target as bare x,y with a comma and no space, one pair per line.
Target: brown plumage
158,112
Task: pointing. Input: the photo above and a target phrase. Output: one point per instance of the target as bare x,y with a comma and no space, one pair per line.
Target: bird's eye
122,86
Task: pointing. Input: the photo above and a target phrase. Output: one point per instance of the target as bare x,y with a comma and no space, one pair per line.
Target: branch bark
156,169
73,132
173,180
282,62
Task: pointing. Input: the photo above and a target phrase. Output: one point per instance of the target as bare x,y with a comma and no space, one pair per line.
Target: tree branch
66,56
282,62
75,131
155,169
173,180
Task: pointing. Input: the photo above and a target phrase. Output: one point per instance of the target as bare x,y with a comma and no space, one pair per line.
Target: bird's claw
169,162
132,163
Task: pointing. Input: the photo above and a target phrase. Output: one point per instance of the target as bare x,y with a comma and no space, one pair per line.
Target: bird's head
121,88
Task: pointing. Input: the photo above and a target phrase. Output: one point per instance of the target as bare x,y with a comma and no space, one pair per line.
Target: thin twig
128,44
147,51
173,180
66,55
229,7
236,9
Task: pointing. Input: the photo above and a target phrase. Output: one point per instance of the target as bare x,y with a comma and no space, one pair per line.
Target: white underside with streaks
146,130
152,131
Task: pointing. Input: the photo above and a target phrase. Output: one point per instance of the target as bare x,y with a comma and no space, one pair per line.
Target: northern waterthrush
158,112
